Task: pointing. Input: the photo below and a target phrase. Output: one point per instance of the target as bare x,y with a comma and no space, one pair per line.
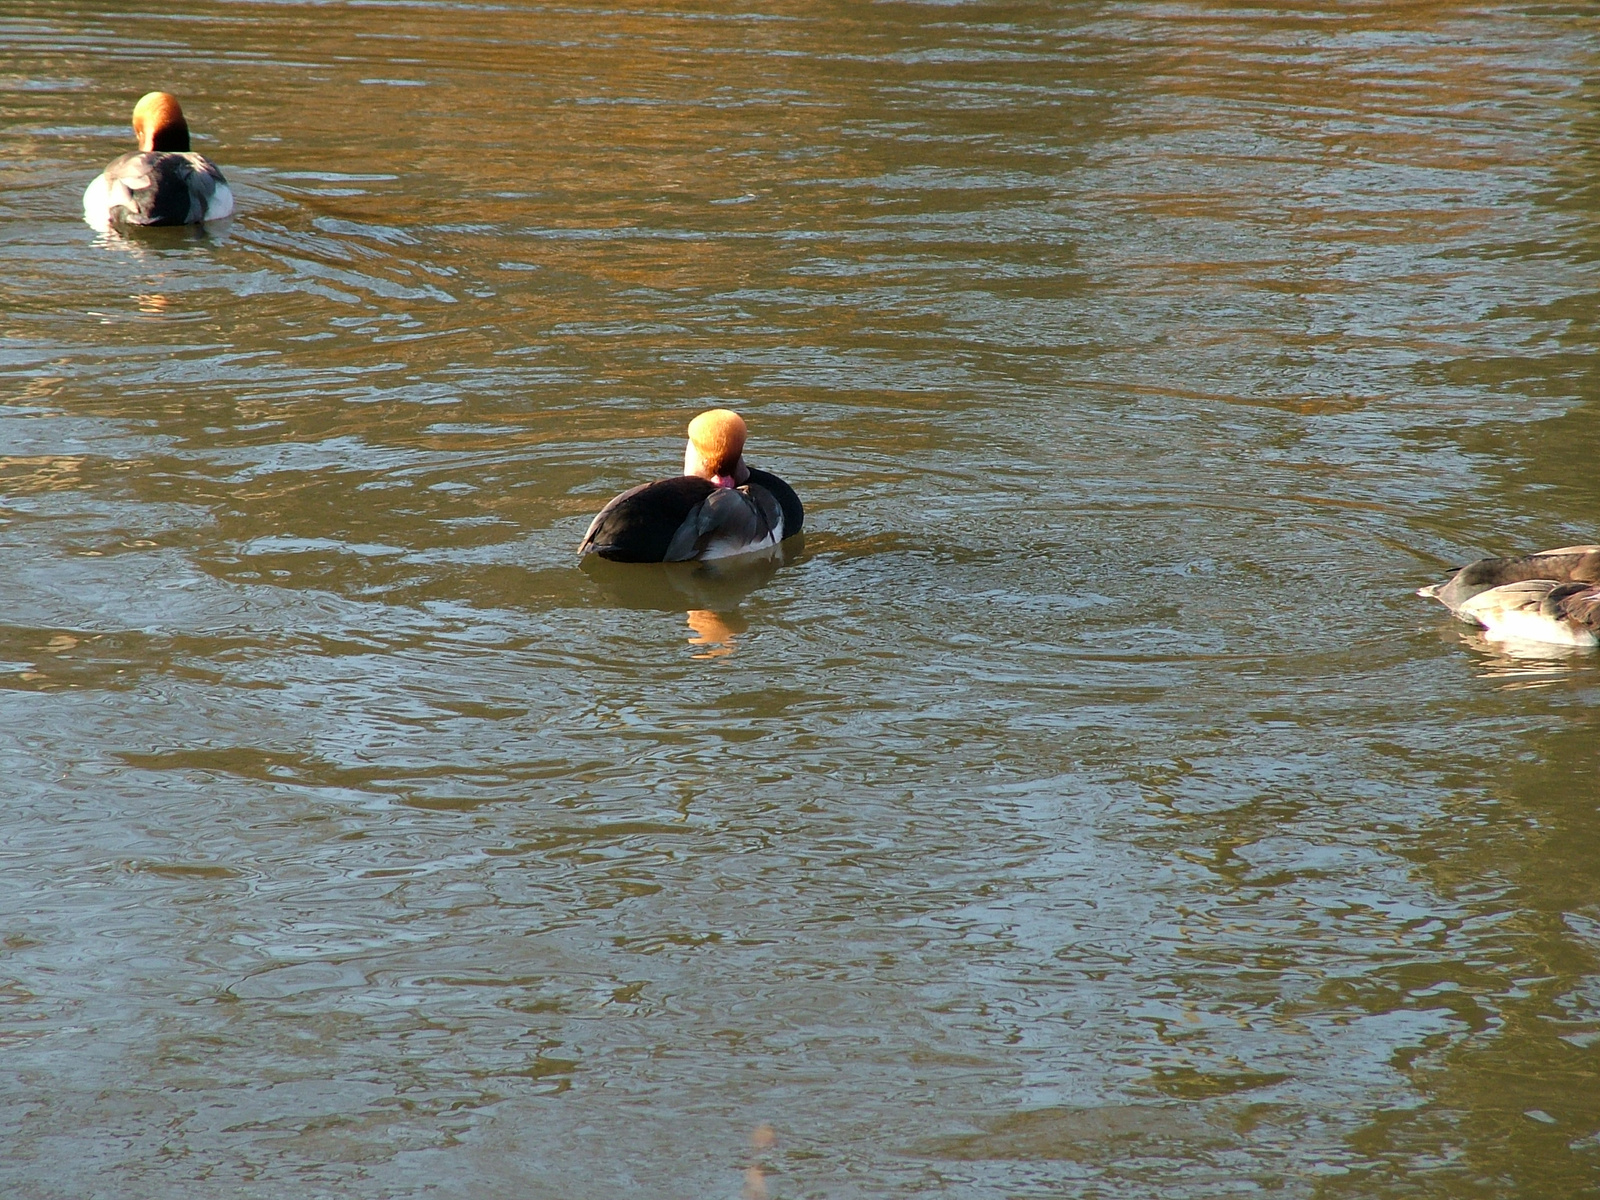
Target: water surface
1085,808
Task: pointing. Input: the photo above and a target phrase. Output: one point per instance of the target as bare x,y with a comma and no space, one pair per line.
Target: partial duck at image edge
1552,596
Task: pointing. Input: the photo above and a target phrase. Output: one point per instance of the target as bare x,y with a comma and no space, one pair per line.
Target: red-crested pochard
161,183
717,508
1552,596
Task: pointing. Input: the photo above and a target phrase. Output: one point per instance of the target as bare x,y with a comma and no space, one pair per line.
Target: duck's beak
695,464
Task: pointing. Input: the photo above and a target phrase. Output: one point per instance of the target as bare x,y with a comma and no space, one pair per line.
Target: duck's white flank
731,549
1515,612
1551,597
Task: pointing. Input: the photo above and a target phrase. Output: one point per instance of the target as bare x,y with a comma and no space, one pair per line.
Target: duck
1552,596
161,183
718,508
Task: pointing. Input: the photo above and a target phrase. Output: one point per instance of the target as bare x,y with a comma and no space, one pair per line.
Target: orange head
716,448
158,123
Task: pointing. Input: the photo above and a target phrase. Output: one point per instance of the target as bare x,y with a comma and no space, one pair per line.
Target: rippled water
1086,807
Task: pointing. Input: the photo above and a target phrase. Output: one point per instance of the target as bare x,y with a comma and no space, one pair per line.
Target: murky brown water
1087,808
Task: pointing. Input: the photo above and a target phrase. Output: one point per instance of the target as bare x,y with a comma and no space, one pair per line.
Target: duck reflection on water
715,631
708,593
149,245
1521,664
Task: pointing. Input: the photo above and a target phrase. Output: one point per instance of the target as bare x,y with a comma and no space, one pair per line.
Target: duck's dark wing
1570,564
727,522
794,515
1576,602
162,187
639,525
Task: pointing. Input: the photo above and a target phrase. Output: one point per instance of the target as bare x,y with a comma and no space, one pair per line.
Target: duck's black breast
794,514
164,187
1578,603
728,522
686,518
639,525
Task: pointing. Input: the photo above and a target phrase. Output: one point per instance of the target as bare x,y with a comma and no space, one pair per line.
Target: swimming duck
1552,596
717,508
161,183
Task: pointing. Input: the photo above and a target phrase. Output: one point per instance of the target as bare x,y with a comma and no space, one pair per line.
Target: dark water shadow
707,593
141,238
719,585
1102,1136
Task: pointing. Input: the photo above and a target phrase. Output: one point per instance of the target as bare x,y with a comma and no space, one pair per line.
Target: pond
1085,805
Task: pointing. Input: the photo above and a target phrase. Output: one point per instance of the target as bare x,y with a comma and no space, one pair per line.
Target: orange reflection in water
717,631
762,1139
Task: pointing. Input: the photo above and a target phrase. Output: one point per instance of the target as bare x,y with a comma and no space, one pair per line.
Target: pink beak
724,481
